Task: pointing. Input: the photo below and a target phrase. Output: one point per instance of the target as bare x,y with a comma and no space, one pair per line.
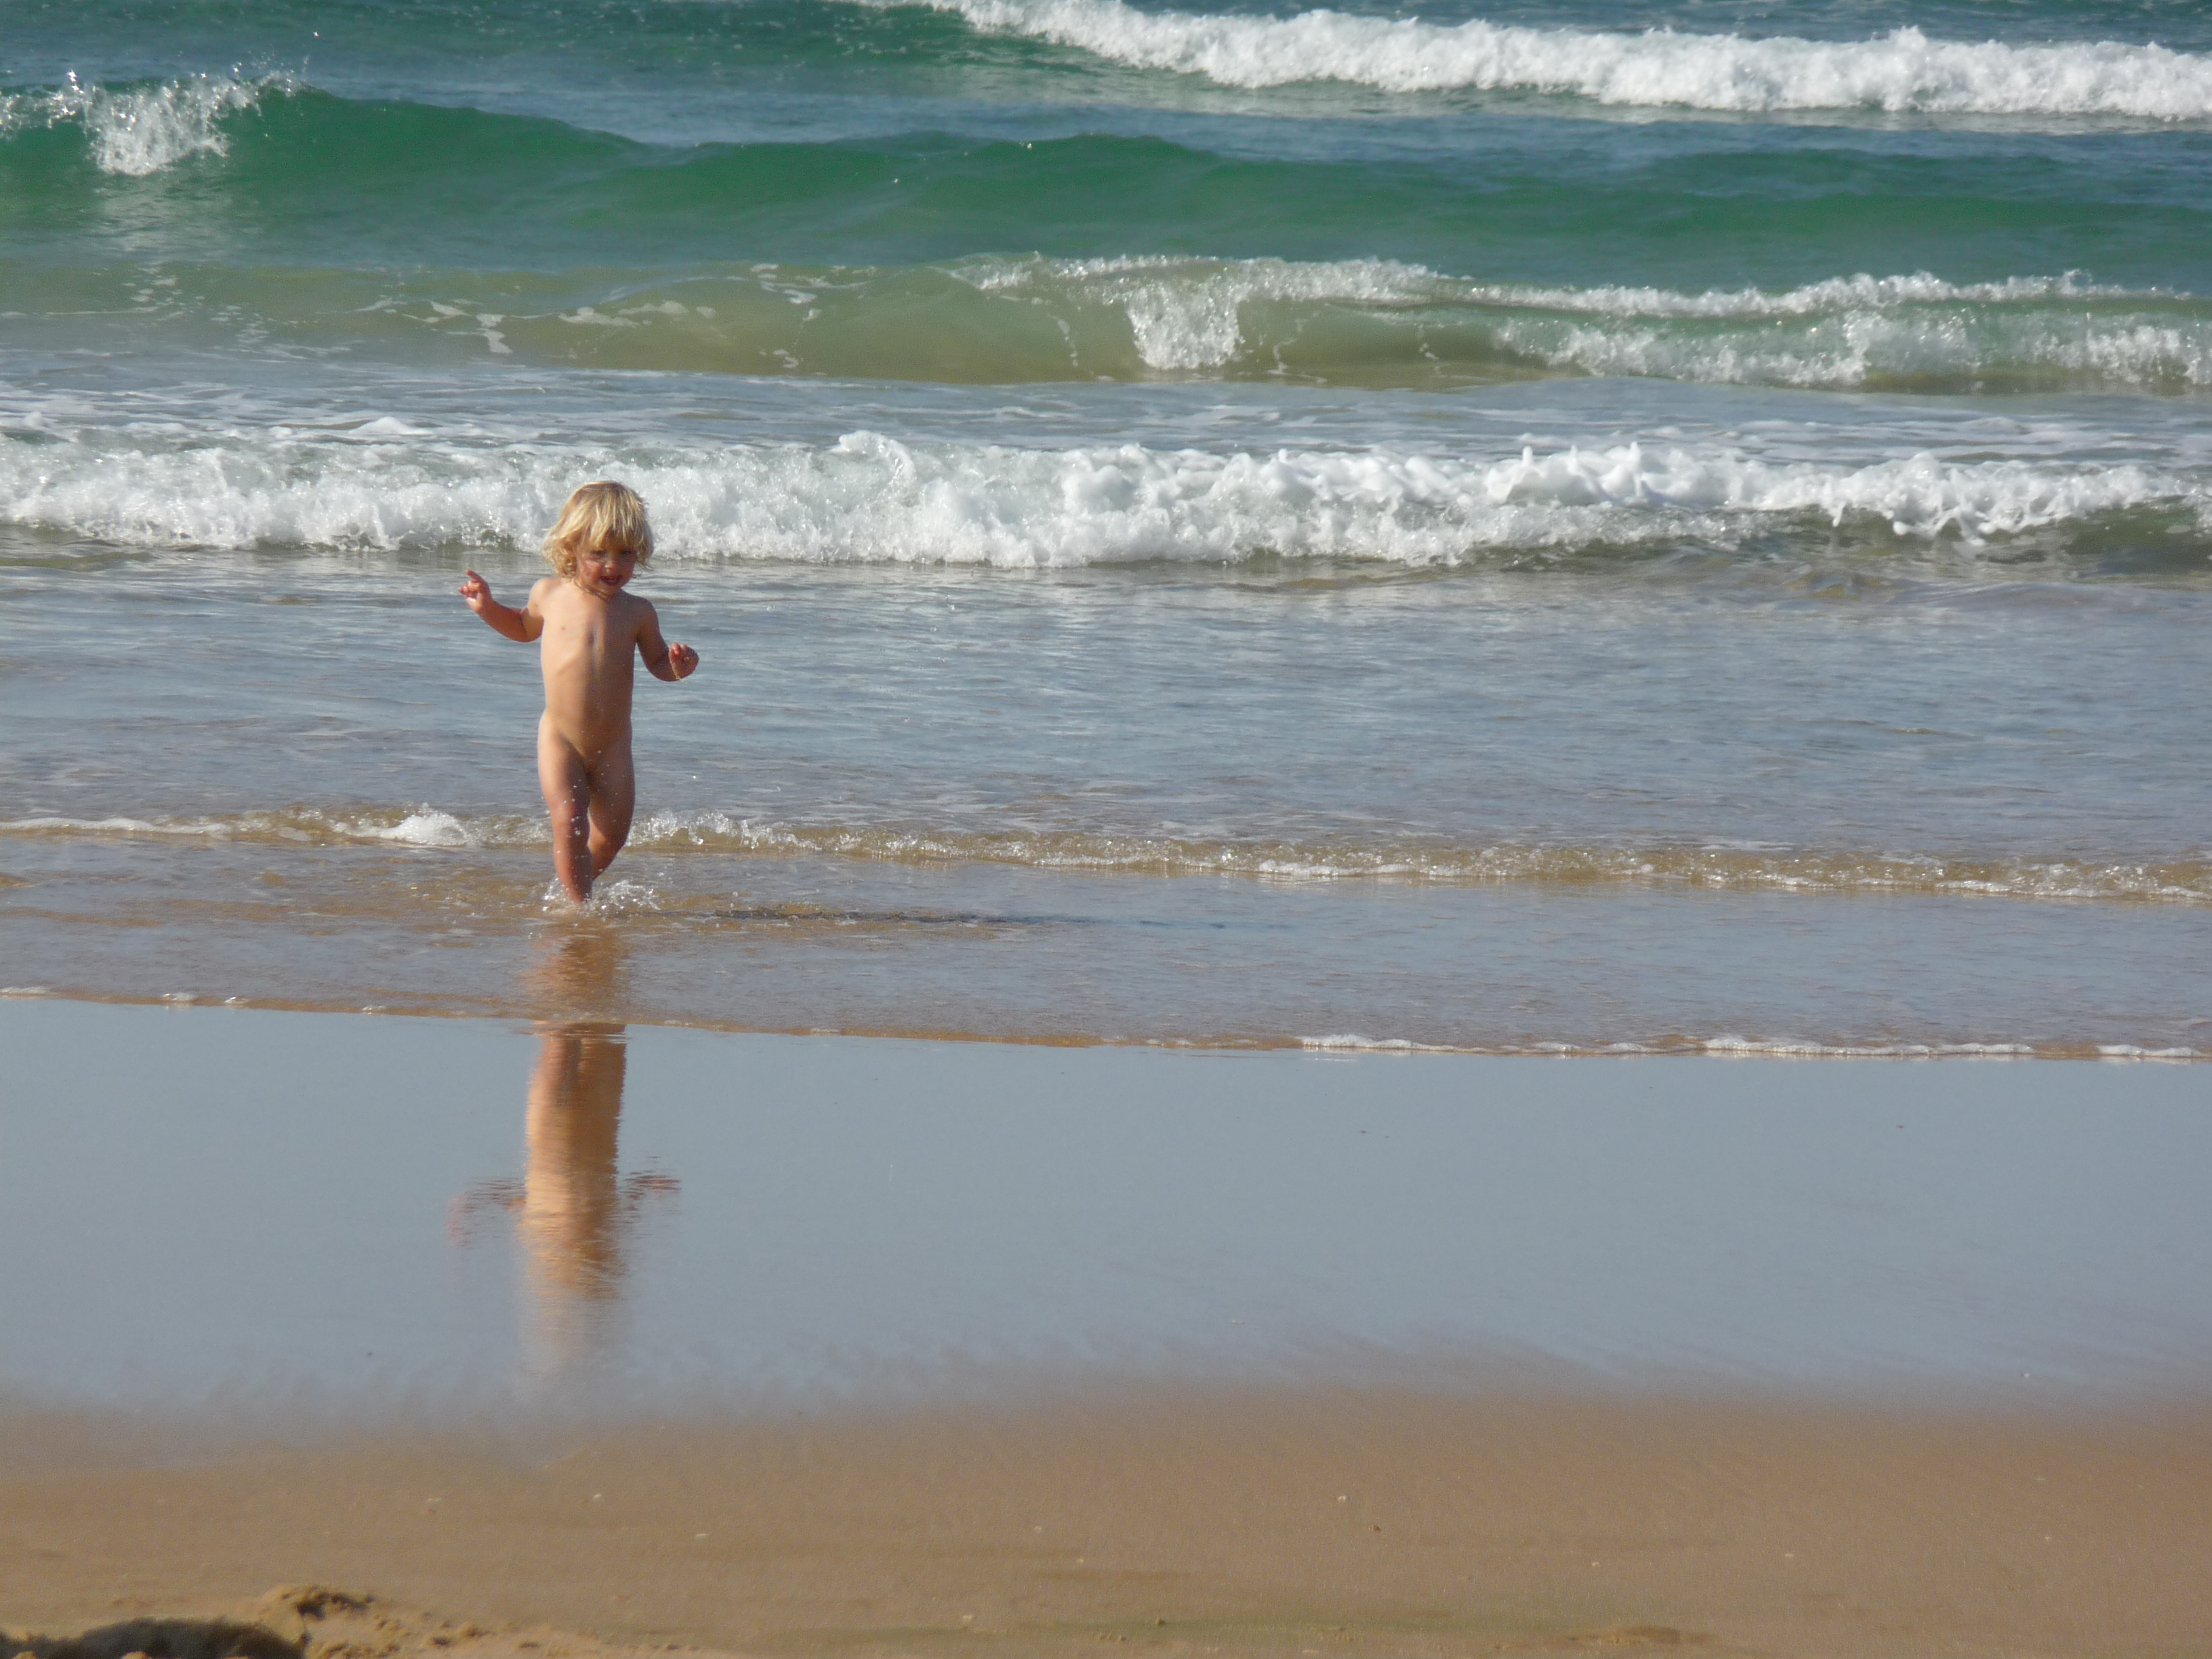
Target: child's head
602,518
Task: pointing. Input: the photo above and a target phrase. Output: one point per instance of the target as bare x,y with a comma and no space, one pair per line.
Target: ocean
1550,527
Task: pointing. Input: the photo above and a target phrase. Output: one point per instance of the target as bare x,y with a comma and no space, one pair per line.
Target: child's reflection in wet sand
574,1209
571,1201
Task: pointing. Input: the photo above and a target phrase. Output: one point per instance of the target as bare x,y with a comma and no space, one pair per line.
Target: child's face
603,570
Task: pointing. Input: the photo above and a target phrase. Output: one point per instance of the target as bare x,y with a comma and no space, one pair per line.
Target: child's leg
567,783
614,797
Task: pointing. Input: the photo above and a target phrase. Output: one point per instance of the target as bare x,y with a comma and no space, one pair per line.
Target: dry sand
1240,1521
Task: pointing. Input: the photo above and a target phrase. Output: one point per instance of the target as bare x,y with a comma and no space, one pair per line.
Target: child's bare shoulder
543,590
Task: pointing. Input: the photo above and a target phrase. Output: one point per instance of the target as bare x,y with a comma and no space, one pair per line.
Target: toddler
592,634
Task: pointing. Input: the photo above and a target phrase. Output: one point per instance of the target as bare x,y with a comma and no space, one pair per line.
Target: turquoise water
1525,527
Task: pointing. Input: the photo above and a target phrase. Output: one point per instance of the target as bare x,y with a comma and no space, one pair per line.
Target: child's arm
662,661
521,626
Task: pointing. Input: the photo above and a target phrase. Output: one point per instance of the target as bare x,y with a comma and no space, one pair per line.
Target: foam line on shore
2185,879
1727,1045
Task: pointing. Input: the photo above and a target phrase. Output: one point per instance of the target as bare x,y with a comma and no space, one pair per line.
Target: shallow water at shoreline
986,950
1796,792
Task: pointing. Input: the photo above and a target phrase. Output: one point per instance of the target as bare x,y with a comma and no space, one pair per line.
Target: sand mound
313,1621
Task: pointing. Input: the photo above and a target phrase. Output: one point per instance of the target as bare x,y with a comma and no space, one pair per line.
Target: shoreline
959,951
1346,1046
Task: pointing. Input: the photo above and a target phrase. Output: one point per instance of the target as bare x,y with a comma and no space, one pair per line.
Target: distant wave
141,129
871,499
2186,880
1902,72
138,130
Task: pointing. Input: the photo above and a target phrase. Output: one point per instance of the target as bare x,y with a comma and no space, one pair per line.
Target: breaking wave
135,131
1903,72
873,499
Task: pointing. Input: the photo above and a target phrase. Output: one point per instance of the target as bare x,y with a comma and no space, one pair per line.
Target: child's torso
588,653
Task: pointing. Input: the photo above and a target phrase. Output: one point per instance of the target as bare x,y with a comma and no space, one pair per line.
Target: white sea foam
624,897
1789,1049
1350,1042
214,827
141,129
1862,292
871,498
427,827
1901,72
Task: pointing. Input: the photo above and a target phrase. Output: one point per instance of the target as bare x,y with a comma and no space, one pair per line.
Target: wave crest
870,498
135,131
1904,72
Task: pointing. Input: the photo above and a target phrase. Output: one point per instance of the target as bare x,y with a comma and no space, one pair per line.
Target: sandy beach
1258,1521
1437,883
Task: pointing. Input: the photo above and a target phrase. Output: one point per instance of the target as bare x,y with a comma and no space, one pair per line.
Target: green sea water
1695,459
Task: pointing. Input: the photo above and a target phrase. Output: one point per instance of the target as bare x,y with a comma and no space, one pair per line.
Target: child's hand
477,591
683,659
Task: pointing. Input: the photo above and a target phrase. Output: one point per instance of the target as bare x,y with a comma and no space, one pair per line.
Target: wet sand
1187,1519
569,1340
462,1212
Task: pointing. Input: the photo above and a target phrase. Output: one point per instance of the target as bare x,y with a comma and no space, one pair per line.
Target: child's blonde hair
605,515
